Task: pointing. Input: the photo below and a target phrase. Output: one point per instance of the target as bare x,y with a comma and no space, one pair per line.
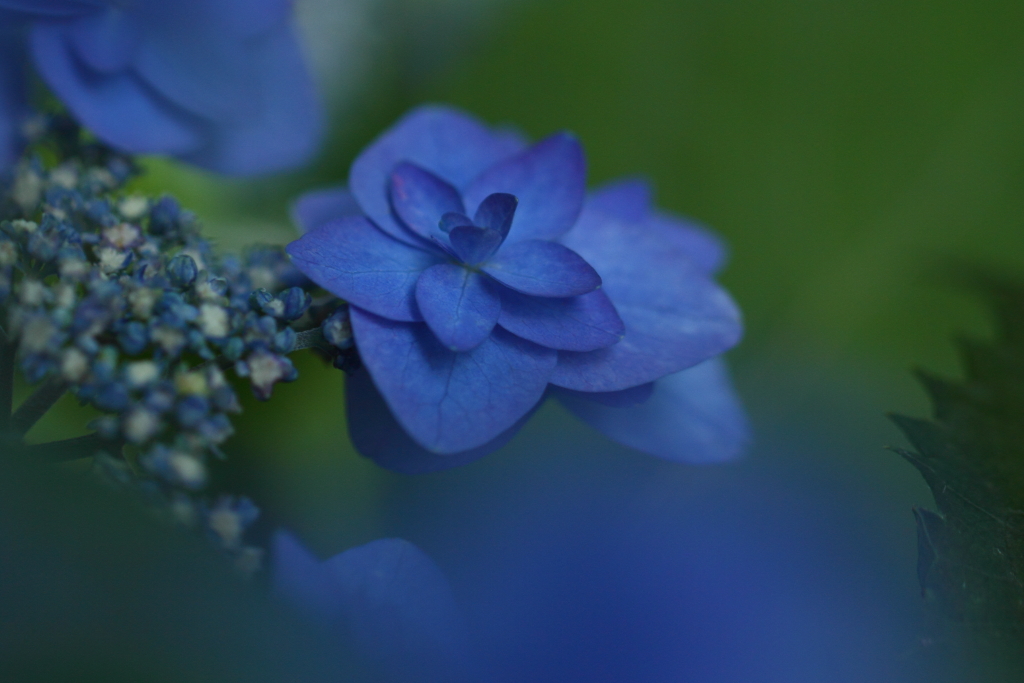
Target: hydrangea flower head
218,83
481,276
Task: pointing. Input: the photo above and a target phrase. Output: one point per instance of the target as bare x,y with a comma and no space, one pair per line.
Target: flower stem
36,405
313,338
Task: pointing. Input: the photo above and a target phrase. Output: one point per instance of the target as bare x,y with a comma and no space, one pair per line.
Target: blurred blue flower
571,561
12,90
218,83
387,597
482,277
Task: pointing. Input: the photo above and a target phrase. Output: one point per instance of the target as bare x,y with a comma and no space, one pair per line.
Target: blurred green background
840,149
845,151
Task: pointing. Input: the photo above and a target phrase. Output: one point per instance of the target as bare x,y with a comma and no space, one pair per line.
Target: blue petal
675,315
496,212
300,578
119,108
451,402
548,179
624,398
13,105
210,57
313,209
442,244
235,18
421,199
254,109
106,40
52,8
703,248
542,268
377,435
189,56
388,595
629,201
284,124
472,244
460,306
445,141
579,323
692,416
352,259
452,220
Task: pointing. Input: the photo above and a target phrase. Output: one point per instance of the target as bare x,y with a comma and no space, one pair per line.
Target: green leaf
971,454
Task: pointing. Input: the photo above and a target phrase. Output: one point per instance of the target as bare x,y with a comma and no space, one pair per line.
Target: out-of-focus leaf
94,589
971,557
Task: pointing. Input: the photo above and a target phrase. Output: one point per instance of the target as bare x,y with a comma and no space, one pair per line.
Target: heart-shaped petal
459,305
450,402
453,219
351,258
542,268
580,323
496,212
377,435
473,244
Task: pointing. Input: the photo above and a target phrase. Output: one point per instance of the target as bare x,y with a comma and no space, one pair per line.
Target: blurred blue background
846,152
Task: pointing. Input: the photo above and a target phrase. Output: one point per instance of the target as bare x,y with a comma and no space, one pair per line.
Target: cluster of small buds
337,332
117,298
124,311
227,521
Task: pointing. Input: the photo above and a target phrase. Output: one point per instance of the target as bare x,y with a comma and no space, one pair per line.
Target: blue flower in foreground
571,563
387,597
481,277
218,83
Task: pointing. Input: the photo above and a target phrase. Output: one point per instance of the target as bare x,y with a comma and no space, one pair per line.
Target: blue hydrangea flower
218,83
482,277
578,565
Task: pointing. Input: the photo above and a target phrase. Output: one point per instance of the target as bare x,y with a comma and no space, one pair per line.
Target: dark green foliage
971,557
93,589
